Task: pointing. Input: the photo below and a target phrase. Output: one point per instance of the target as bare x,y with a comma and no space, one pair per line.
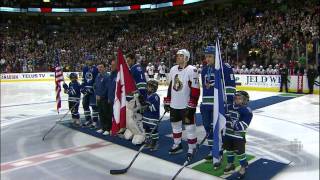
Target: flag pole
223,80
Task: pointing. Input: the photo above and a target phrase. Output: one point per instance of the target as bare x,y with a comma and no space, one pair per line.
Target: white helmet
149,64
185,53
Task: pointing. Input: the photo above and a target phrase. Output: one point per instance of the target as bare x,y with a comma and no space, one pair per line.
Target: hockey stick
59,121
187,162
122,171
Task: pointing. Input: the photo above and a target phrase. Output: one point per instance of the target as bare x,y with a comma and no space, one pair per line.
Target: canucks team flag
124,85
219,119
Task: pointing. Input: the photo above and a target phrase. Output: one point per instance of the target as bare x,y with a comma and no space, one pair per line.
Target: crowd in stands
286,33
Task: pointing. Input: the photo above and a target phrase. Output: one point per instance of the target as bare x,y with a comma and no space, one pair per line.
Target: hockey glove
65,86
142,100
143,109
190,112
166,103
192,103
239,126
84,91
72,92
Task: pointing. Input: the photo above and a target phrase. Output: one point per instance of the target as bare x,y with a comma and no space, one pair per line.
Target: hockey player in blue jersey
207,77
234,141
73,91
151,115
89,75
139,77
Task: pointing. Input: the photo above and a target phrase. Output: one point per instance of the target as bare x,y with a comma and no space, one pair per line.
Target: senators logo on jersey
177,83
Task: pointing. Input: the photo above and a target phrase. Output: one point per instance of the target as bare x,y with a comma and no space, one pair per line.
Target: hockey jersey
88,77
162,69
140,80
73,91
239,121
184,87
207,77
152,114
150,70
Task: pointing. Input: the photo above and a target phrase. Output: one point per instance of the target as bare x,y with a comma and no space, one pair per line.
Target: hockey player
138,76
134,124
181,101
261,71
206,107
73,91
244,70
162,72
254,69
276,69
90,73
269,70
151,115
150,71
235,138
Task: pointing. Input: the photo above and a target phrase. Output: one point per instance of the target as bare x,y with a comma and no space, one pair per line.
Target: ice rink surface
287,132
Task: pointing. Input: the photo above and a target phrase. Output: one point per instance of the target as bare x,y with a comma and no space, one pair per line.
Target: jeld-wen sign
258,80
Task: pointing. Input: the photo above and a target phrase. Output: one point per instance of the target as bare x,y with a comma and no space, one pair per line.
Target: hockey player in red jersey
181,101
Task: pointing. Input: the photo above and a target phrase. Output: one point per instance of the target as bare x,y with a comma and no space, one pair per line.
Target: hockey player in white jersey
162,72
181,101
244,70
254,69
269,70
261,70
150,71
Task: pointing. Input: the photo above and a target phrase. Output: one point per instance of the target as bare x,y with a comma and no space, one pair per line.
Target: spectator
311,75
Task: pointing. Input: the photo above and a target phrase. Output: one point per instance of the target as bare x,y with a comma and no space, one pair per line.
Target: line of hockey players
143,106
270,70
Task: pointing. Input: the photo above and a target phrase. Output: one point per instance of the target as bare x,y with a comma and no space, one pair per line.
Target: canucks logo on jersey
177,83
89,76
209,80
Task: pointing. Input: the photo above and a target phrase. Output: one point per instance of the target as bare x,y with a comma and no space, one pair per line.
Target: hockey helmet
73,76
210,49
153,85
244,95
185,53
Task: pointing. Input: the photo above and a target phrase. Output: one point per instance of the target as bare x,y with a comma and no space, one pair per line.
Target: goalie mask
152,86
185,53
241,98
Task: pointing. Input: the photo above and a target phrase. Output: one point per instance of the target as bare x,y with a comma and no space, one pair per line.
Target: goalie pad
128,134
133,118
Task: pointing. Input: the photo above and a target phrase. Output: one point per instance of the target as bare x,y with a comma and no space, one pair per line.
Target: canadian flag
124,85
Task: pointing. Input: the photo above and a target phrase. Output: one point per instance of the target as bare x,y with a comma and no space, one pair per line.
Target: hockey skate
242,172
76,123
208,157
176,149
87,124
229,168
190,154
154,145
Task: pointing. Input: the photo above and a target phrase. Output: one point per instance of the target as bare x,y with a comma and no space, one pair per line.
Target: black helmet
73,76
153,84
244,95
